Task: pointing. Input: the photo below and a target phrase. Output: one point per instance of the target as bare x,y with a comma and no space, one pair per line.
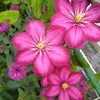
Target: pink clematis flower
43,96
79,21
62,84
17,72
44,50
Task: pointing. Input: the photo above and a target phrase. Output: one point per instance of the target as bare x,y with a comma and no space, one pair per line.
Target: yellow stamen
65,86
78,18
40,45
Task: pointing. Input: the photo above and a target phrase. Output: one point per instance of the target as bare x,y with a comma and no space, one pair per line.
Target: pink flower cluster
73,23
4,26
17,72
63,84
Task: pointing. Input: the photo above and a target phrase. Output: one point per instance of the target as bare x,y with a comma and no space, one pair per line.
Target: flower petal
53,91
55,35
43,64
59,55
36,29
92,32
35,72
75,93
64,73
25,57
75,78
44,82
75,37
64,95
63,6
79,5
22,41
59,19
93,14
54,79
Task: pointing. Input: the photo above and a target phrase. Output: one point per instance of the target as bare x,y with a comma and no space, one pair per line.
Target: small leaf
27,2
10,15
20,91
12,85
37,6
11,1
97,76
90,84
74,68
6,95
50,11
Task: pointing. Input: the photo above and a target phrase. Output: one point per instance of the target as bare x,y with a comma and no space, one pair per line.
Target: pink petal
92,32
43,64
64,73
36,29
44,82
43,95
54,79
64,95
53,91
75,37
93,14
68,66
63,6
35,72
25,57
75,78
59,55
55,31
50,98
22,41
75,93
59,19
79,5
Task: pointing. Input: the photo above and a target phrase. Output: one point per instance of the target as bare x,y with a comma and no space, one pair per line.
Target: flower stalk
86,67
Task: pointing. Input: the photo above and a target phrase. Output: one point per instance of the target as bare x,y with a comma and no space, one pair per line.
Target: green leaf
90,84
20,91
6,96
1,98
12,85
27,2
97,76
9,60
37,6
22,95
10,15
11,1
50,11
74,68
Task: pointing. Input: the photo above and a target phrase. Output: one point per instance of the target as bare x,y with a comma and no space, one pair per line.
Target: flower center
78,18
40,45
65,86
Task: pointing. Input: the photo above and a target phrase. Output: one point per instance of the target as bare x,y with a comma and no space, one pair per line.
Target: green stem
88,71
28,13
